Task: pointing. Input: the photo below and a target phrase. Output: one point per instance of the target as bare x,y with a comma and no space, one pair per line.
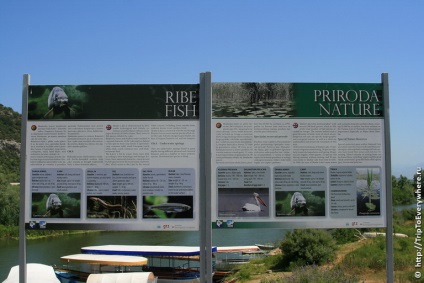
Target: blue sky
157,42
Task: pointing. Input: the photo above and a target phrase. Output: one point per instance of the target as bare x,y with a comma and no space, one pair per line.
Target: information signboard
298,155
115,157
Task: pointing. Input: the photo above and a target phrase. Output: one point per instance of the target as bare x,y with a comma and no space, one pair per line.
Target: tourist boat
169,264
229,256
35,273
92,268
130,277
266,247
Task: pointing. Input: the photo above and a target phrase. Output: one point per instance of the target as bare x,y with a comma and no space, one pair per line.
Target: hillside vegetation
10,124
10,138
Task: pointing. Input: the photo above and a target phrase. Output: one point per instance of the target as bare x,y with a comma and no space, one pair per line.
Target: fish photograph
168,207
58,103
55,102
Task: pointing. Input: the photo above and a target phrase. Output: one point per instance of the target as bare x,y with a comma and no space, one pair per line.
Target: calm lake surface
48,251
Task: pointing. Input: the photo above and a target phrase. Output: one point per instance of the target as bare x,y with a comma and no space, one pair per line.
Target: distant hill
10,144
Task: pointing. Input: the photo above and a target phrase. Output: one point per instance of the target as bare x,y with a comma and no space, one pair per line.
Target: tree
253,89
402,191
9,204
403,183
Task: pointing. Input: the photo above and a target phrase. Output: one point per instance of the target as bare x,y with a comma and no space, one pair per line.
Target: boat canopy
116,260
148,251
132,277
36,273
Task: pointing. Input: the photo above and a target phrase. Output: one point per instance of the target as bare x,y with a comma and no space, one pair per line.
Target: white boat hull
159,280
188,280
36,273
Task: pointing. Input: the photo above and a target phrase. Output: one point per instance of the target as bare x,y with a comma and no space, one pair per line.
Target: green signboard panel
325,100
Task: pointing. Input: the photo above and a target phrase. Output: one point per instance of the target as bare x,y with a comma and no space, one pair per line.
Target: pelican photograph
243,202
56,205
299,203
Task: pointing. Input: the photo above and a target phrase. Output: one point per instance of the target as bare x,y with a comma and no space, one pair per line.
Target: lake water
49,250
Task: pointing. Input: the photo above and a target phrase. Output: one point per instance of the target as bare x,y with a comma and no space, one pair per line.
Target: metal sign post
388,163
22,231
205,178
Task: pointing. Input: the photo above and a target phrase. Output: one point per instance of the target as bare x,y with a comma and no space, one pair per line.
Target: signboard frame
112,157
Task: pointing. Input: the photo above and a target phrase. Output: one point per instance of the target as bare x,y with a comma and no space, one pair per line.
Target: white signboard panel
287,155
117,157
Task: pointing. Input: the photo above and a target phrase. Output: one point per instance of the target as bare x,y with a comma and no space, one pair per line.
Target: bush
409,214
9,231
345,235
307,247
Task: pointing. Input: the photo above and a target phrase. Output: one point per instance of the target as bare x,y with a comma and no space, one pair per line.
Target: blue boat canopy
137,250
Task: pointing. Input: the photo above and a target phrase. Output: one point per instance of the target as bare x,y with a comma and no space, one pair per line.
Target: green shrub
345,235
307,247
409,214
9,231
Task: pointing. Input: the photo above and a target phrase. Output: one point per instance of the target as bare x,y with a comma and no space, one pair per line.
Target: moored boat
79,267
169,263
139,277
266,247
35,272
229,256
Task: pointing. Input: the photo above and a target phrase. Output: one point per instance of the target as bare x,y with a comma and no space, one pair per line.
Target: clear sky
170,41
